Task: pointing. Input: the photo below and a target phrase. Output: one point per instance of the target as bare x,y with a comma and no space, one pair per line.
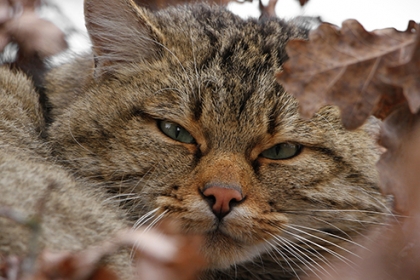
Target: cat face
180,117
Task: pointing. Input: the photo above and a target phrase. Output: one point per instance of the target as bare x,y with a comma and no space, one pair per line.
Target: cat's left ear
120,32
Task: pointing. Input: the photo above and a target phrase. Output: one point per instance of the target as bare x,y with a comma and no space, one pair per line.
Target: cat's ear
120,32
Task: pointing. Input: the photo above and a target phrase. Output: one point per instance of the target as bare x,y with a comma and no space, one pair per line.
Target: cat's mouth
222,249
221,234
221,231
233,241
234,238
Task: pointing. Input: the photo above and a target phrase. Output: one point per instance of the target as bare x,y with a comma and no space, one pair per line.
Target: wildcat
176,114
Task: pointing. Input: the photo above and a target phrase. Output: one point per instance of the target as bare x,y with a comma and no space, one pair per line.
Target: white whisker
337,210
332,235
361,222
156,220
275,258
316,254
333,226
323,240
337,255
148,216
285,259
144,219
115,198
286,246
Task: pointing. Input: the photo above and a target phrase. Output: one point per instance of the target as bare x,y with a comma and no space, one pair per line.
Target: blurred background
372,14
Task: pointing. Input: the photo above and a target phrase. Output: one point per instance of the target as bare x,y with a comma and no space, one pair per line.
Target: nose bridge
226,168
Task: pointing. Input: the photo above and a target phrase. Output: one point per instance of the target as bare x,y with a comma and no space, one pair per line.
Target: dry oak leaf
407,74
341,67
19,23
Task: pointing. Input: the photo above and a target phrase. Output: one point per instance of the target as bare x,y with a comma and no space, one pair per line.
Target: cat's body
179,116
73,214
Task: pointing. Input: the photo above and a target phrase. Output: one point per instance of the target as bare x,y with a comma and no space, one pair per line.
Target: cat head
178,115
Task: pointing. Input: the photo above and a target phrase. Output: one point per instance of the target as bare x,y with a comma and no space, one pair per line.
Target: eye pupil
277,149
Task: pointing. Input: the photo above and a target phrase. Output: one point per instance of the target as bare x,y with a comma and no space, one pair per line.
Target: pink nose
221,199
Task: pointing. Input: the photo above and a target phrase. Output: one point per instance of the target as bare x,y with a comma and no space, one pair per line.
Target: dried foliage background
364,73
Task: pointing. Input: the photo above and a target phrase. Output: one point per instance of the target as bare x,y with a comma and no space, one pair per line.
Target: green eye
176,132
282,151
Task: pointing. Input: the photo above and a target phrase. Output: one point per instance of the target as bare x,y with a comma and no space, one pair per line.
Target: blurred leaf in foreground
161,253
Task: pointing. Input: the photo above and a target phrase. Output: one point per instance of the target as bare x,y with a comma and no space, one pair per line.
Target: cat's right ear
120,32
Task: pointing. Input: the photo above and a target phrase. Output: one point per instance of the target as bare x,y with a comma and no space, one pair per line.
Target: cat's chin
223,251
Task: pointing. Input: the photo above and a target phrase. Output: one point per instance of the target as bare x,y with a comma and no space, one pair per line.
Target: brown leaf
35,35
407,75
103,273
341,67
5,11
65,265
9,10
303,2
268,10
9,267
28,4
5,14
388,102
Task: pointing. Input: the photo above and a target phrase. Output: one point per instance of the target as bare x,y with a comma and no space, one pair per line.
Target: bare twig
269,10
